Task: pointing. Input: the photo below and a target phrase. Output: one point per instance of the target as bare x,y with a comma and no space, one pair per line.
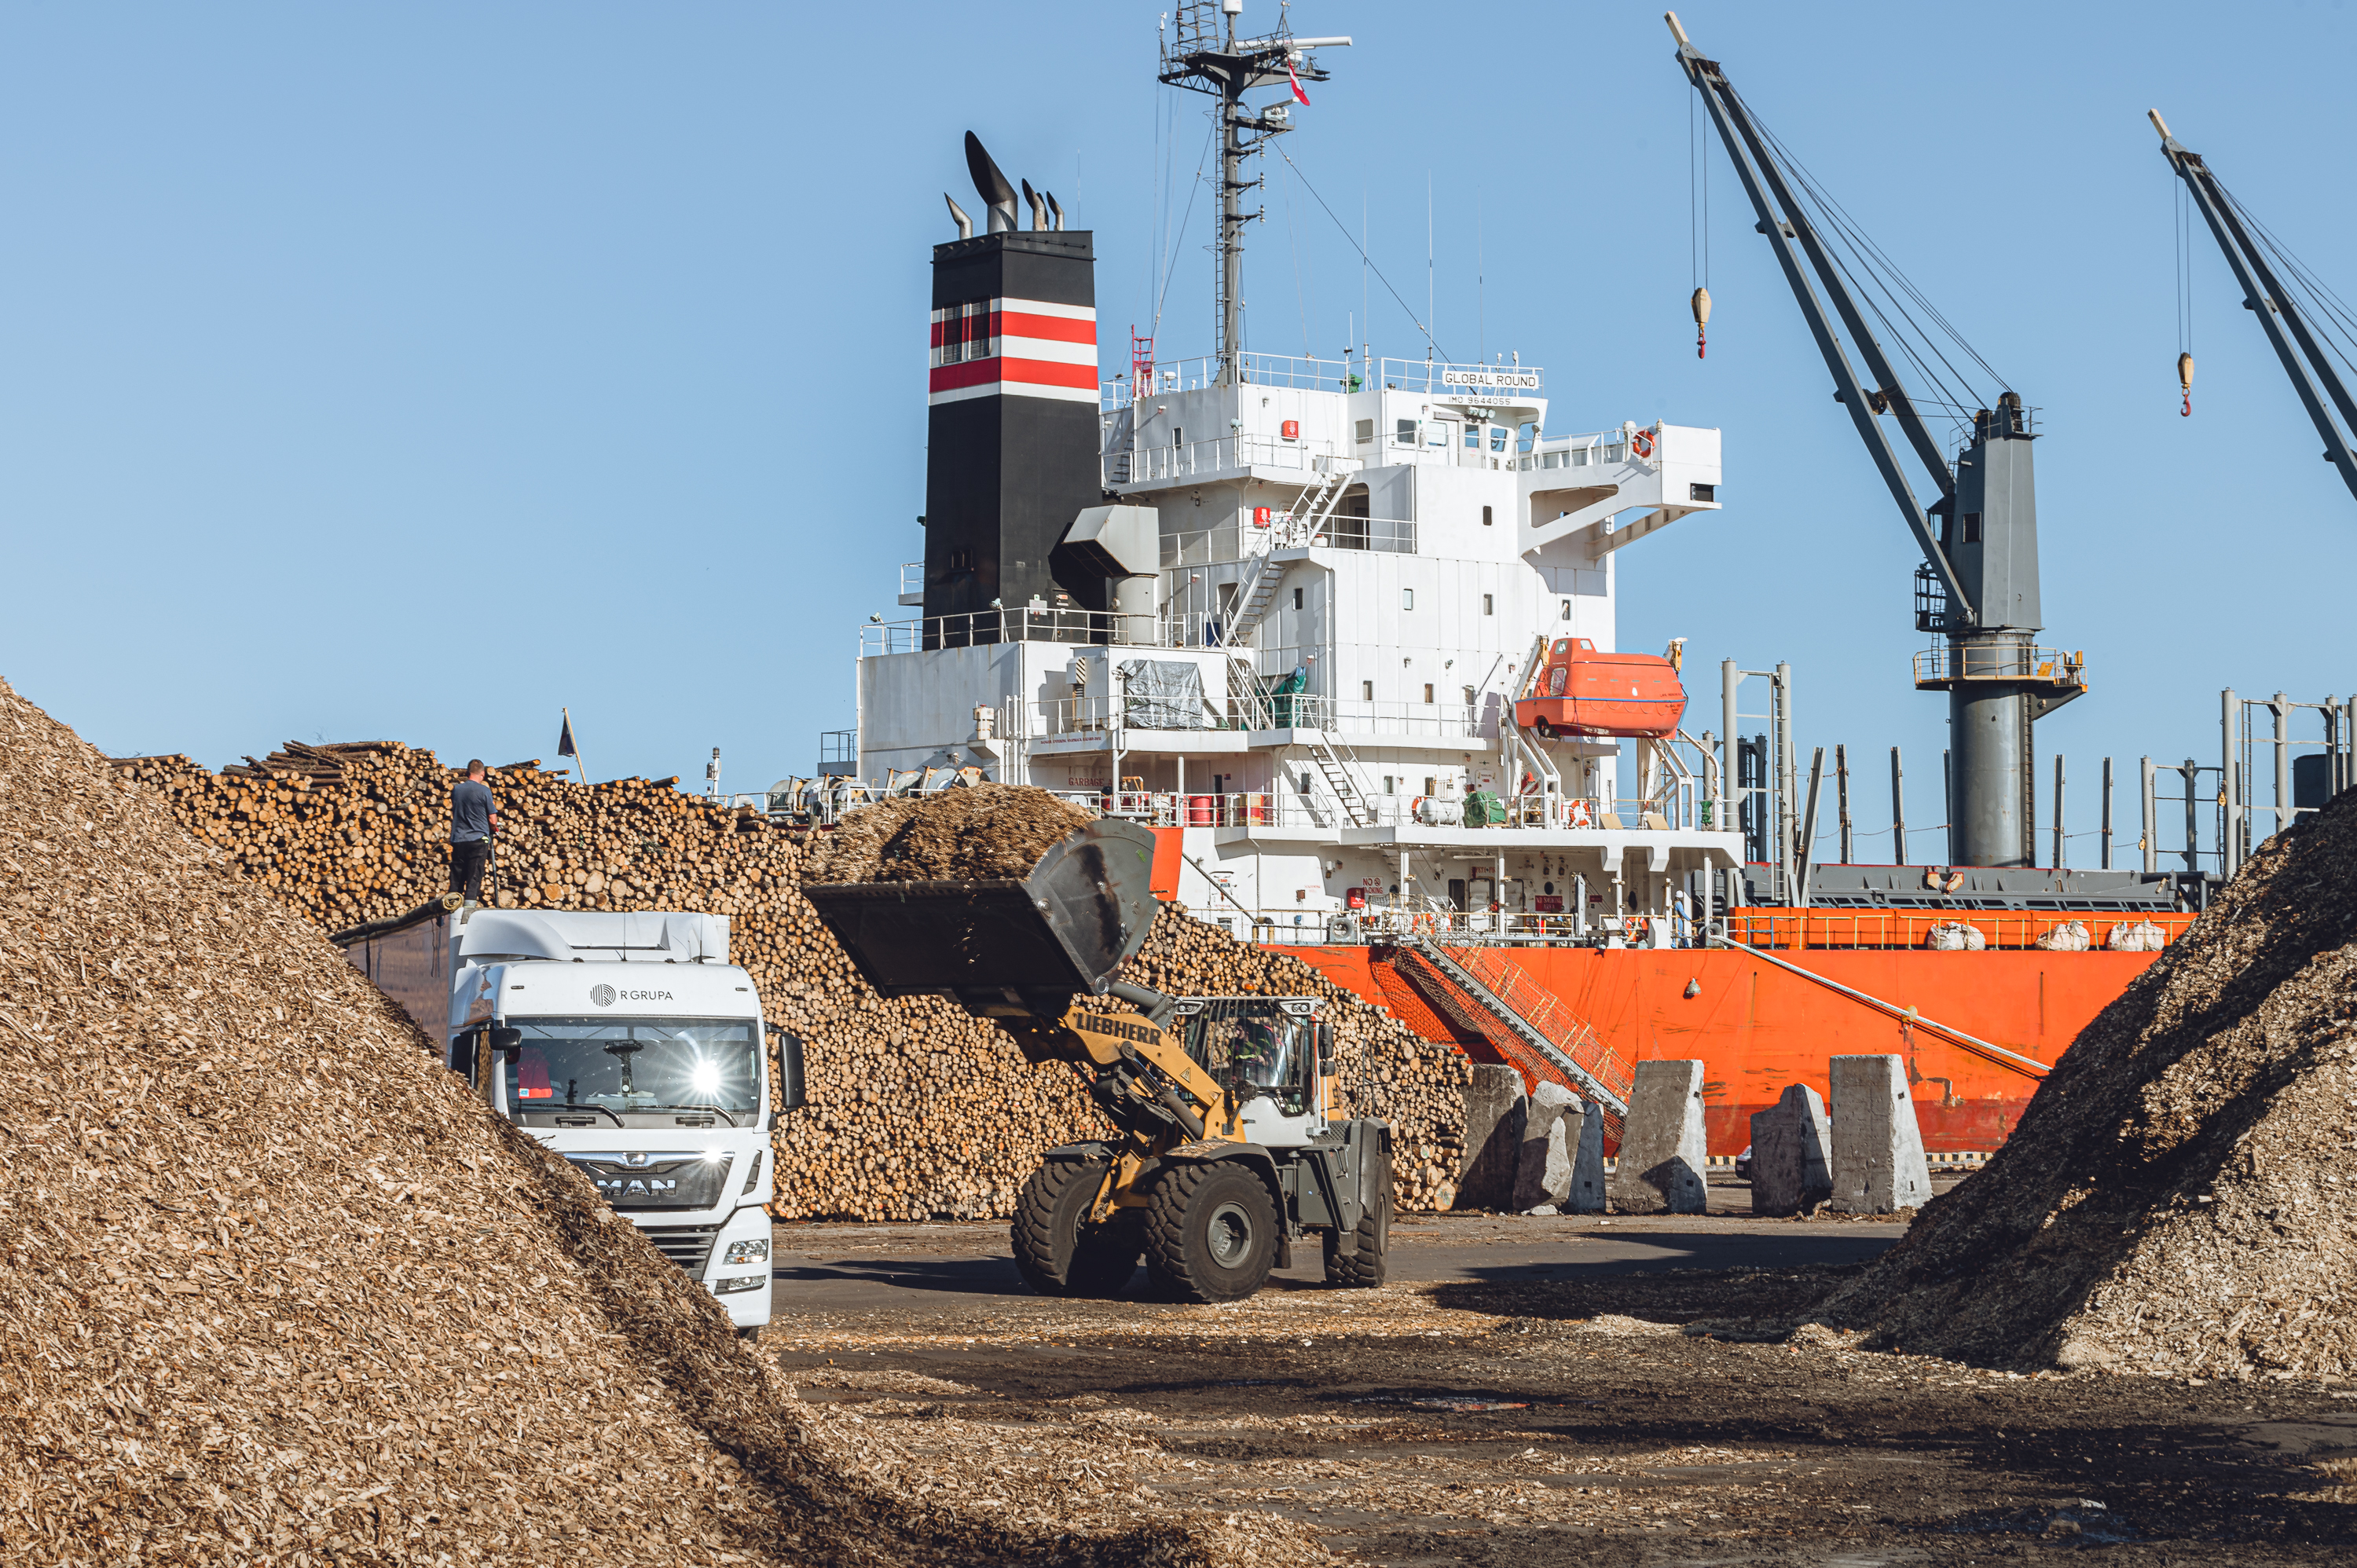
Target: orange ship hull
1758,1028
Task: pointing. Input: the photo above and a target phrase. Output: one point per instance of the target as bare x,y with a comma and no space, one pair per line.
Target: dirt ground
1543,1391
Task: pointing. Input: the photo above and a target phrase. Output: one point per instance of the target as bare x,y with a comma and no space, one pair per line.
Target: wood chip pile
2177,1198
915,1109
280,1291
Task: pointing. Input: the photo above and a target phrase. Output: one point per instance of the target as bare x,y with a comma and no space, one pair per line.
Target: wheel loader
1231,1146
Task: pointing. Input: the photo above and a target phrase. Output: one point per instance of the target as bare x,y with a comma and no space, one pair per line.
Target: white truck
628,1044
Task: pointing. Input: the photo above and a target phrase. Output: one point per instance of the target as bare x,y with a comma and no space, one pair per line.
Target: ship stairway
1310,513
1522,746
1341,770
1535,1019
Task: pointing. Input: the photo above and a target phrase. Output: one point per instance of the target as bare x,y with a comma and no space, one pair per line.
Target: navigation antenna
1202,54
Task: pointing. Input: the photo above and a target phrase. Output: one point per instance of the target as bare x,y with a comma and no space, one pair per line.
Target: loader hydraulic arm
1139,1072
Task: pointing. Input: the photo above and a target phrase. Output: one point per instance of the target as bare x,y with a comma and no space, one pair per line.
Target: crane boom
1753,164
1978,583
2264,297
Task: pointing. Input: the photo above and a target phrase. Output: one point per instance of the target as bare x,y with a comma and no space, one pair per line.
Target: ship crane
1978,584
2305,360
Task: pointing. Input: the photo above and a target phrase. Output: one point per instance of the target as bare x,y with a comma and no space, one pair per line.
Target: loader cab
1270,1054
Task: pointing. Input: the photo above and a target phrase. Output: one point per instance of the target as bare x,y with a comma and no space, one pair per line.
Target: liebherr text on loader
1231,1144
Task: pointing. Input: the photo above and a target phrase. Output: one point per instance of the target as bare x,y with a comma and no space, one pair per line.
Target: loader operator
472,818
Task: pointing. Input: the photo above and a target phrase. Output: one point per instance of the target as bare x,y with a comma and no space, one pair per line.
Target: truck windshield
624,1065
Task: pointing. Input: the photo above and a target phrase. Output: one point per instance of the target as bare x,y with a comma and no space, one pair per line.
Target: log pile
915,1109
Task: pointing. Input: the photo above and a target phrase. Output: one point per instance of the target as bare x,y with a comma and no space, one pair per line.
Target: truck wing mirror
789,1059
1325,1034
506,1039
462,1055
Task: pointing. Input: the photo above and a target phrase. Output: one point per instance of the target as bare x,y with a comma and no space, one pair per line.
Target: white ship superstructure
1296,621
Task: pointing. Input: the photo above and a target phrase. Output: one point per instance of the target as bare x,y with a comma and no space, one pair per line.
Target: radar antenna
1202,54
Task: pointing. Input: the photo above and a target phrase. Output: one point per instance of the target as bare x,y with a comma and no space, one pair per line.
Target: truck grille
689,1246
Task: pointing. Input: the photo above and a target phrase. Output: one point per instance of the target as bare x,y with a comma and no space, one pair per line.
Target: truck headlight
731,1285
747,1252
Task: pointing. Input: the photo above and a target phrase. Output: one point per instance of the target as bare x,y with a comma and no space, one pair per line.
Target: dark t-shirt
471,811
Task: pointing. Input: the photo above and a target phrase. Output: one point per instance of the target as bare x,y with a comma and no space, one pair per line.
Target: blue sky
410,371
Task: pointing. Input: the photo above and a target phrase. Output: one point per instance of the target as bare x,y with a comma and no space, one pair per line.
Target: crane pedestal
1998,686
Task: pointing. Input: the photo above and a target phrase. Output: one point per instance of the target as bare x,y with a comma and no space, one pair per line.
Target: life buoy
1582,815
1641,444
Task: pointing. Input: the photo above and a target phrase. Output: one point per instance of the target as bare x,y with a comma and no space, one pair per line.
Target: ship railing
1352,716
1469,383
1952,661
1251,369
912,582
1606,446
1228,455
1674,810
1379,925
1030,624
2007,930
1248,541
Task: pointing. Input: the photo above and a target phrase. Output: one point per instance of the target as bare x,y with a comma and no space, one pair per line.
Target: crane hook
1702,320
2185,380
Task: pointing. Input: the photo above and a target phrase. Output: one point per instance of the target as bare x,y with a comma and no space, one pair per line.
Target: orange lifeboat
1580,692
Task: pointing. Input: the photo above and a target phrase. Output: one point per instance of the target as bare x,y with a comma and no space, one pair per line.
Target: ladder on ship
1537,1018
1311,512
1339,767
1521,747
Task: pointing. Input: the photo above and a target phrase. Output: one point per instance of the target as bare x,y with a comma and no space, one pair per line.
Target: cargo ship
1342,631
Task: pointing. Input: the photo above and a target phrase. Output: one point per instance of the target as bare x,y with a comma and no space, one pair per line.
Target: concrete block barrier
1583,1135
1878,1164
1496,1111
1791,1163
1543,1181
1662,1150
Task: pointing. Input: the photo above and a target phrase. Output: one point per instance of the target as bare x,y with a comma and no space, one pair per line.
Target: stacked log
916,1109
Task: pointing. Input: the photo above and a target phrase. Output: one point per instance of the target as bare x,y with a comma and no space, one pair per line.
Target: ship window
1366,690
1972,527
1427,691
1497,438
1488,601
1567,609
1408,598
1391,785
1546,459
1297,598
1404,433
1485,517
1701,492
1437,432
1576,458
1474,437
1431,785
1366,431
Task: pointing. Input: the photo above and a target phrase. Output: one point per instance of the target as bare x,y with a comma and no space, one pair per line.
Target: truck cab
628,1045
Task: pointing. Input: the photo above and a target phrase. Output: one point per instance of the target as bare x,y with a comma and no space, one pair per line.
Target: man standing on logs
472,818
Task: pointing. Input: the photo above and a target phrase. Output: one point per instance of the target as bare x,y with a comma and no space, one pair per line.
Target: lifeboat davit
1580,692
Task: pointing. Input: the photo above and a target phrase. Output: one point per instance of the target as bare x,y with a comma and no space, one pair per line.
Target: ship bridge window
1403,433
1436,433
1474,437
1498,434
1366,431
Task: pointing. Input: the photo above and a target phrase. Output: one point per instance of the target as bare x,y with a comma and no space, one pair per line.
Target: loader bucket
1023,946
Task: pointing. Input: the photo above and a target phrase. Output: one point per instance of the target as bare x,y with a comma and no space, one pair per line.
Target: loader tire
1058,1252
1211,1232
1362,1268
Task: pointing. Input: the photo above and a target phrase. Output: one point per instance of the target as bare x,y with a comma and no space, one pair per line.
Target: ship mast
1202,54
